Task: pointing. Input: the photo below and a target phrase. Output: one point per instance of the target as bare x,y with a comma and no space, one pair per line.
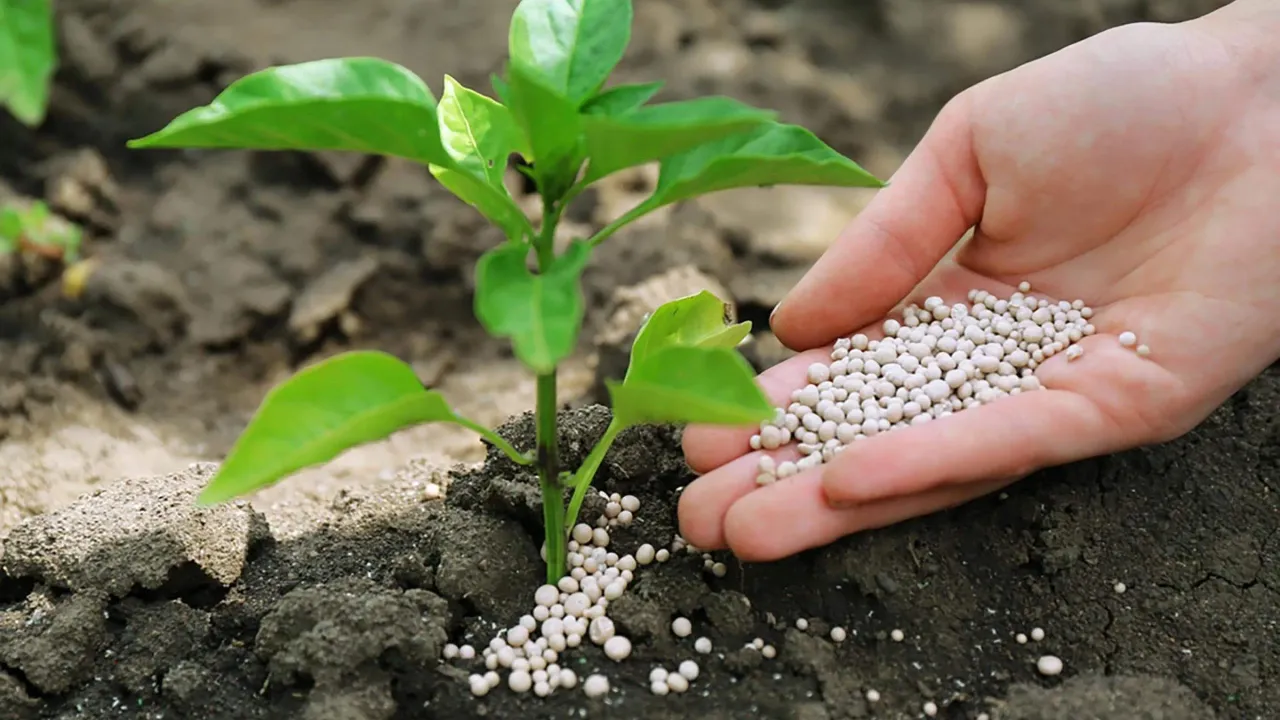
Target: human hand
1138,170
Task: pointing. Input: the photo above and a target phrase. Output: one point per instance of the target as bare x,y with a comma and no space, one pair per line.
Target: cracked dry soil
220,271
108,612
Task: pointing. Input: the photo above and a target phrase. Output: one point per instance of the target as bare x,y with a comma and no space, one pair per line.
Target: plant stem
626,219
548,461
587,473
547,433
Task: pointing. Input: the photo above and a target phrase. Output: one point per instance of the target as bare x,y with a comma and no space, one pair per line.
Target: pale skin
1138,170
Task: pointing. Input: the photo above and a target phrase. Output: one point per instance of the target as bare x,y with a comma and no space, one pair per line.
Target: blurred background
212,275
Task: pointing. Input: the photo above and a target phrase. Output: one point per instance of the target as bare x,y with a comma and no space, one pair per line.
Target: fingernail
774,313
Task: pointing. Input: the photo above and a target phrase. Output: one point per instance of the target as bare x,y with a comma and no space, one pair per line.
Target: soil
214,274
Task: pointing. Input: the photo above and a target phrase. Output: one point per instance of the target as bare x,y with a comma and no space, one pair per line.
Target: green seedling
27,58
32,228
553,110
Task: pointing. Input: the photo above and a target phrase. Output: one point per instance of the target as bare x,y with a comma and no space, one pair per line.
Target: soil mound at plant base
350,620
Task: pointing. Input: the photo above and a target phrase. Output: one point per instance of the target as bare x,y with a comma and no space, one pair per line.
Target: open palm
1136,170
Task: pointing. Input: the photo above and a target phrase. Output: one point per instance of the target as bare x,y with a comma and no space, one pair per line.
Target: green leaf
541,313
28,58
681,384
621,99
615,142
776,154
496,205
480,135
11,224
319,413
500,88
356,104
700,320
552,128
573,45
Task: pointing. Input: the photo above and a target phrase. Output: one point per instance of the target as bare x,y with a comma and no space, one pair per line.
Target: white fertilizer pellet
897,635
1049,665
595,686
873,696
838,634
931,709
1037,634
702,645
681,627
936,360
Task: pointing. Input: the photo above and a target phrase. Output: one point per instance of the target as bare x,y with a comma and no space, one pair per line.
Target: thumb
930,202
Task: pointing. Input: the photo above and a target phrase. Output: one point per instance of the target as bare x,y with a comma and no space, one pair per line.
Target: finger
792,516
1011,437
707,447
705,502
894,242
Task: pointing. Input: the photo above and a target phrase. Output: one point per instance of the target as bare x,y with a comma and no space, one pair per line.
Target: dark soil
192,613
216,272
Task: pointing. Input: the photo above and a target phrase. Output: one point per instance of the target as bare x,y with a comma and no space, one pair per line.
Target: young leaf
492,203
615,142
319,413
541,313
775,154
552,128
573,45
621,99
680,384
478,133
27,58
699,320
356,104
